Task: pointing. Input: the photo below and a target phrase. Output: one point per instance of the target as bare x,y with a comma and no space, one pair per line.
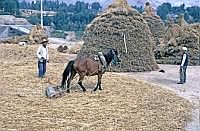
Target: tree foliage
10,7
139,9
72,17
194,12
191,14
163,10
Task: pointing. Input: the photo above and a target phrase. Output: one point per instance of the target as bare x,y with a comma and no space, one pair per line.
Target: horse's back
86,66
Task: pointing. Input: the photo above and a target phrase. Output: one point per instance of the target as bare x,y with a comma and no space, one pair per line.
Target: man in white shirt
42,55
183,66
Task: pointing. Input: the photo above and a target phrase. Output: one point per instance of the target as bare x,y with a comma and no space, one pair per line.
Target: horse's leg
63,83
81,77
99,80
98,83
69,81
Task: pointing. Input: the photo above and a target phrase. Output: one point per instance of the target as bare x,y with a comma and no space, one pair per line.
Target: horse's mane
108,56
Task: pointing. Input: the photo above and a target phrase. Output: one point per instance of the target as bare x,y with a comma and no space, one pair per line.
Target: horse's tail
68,72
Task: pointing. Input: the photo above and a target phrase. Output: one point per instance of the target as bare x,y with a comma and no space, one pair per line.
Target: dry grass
124,104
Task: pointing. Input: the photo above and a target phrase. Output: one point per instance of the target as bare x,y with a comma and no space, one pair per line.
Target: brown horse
88,67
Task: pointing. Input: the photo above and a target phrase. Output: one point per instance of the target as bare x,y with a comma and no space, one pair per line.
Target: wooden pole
41,9
125,43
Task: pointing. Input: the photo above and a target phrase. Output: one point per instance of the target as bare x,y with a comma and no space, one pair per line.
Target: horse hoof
68,91
92,91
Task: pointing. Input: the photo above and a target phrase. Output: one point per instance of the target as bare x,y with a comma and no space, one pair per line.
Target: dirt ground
190,90
124,104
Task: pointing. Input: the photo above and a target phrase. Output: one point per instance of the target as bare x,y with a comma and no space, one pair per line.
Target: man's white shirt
42,52
183,61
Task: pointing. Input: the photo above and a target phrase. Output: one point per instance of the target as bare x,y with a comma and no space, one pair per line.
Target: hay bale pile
182,21
123,28
35,37
62,48
27,54
37,34
157,28
155,24
175,38
16,40
196,28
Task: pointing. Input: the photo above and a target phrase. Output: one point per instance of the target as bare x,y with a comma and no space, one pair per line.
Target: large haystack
37,34
176,37
155,24
157,28
123,28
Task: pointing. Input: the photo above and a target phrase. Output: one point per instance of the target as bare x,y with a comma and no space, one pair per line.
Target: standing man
42,55
149,10
183,66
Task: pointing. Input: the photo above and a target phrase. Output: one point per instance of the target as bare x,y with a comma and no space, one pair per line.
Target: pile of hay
196,28
176,37
27,54
34,37
124,104
70,47
157,28
155,24
37,34
182,21
123,28
62,48
16,40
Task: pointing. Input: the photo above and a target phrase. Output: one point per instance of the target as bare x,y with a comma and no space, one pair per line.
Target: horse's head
115,56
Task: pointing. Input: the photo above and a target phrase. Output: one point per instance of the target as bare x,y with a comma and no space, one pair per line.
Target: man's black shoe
180,83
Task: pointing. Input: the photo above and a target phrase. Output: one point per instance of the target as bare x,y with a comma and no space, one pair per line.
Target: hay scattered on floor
27,54
124,104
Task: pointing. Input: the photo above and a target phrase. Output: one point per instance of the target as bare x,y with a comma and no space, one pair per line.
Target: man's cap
184,48
44,40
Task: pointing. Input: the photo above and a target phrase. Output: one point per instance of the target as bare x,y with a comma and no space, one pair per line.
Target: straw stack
123,28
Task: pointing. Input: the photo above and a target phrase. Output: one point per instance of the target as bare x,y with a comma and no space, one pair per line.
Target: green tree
194,11
24,5
9,7
178,9
163,10
96,6
34,19
72,17
139,9
81,6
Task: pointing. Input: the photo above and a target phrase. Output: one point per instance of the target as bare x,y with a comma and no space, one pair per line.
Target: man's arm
38,53
47,55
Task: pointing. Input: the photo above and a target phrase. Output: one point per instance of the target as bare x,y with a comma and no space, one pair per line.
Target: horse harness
102,62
